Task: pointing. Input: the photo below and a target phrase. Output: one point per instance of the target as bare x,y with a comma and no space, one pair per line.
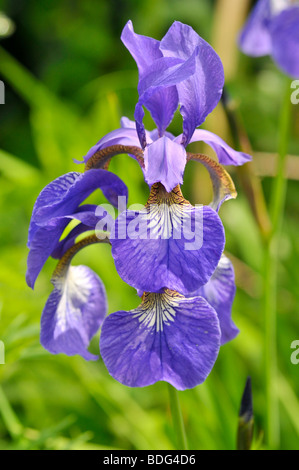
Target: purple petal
122,136
87,214
168,337
144,49
73,313
199,94
127,123
89,217
154,135
45,240
219,292
255,39
165,162
226,155
157,91
69,240
55,204
172,245
63,195
284,31
42,244
162,106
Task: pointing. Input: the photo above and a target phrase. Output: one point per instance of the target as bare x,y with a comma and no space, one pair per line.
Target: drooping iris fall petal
74,312
219,292
168,244
57,204
168,337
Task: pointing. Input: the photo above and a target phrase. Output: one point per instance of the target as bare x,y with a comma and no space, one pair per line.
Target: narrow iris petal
199,94
255,39
220,292
122,136
168,337
165,163
144,49
73,313
45,241
226,155
169,244
57,204
162,104
157,92
284,31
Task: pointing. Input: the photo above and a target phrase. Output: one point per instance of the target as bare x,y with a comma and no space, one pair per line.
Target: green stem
177,418
270,277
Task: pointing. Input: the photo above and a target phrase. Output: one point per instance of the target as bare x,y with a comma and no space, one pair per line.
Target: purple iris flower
169,336
220,292
273,29
76,308
187,294
180,69
170,251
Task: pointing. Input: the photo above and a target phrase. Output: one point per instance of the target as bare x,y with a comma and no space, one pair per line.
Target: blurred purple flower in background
273,29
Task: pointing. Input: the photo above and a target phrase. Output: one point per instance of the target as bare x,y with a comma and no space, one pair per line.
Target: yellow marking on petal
167,212
101,158
223,185
159,195
158,309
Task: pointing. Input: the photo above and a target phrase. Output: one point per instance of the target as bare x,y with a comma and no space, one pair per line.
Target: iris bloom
185,312
185,282
273,29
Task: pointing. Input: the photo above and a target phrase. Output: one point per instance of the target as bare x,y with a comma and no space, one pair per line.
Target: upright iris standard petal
169,244
145,50
255,39
157,91
168,337
162,104
89,215
226,155
199,94
284,31
74,312
163,83
165,162
219,292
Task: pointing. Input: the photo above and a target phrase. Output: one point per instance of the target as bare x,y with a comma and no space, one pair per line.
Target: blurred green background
68,80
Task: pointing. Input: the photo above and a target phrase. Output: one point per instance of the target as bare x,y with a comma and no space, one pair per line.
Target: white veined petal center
158,310
75,291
